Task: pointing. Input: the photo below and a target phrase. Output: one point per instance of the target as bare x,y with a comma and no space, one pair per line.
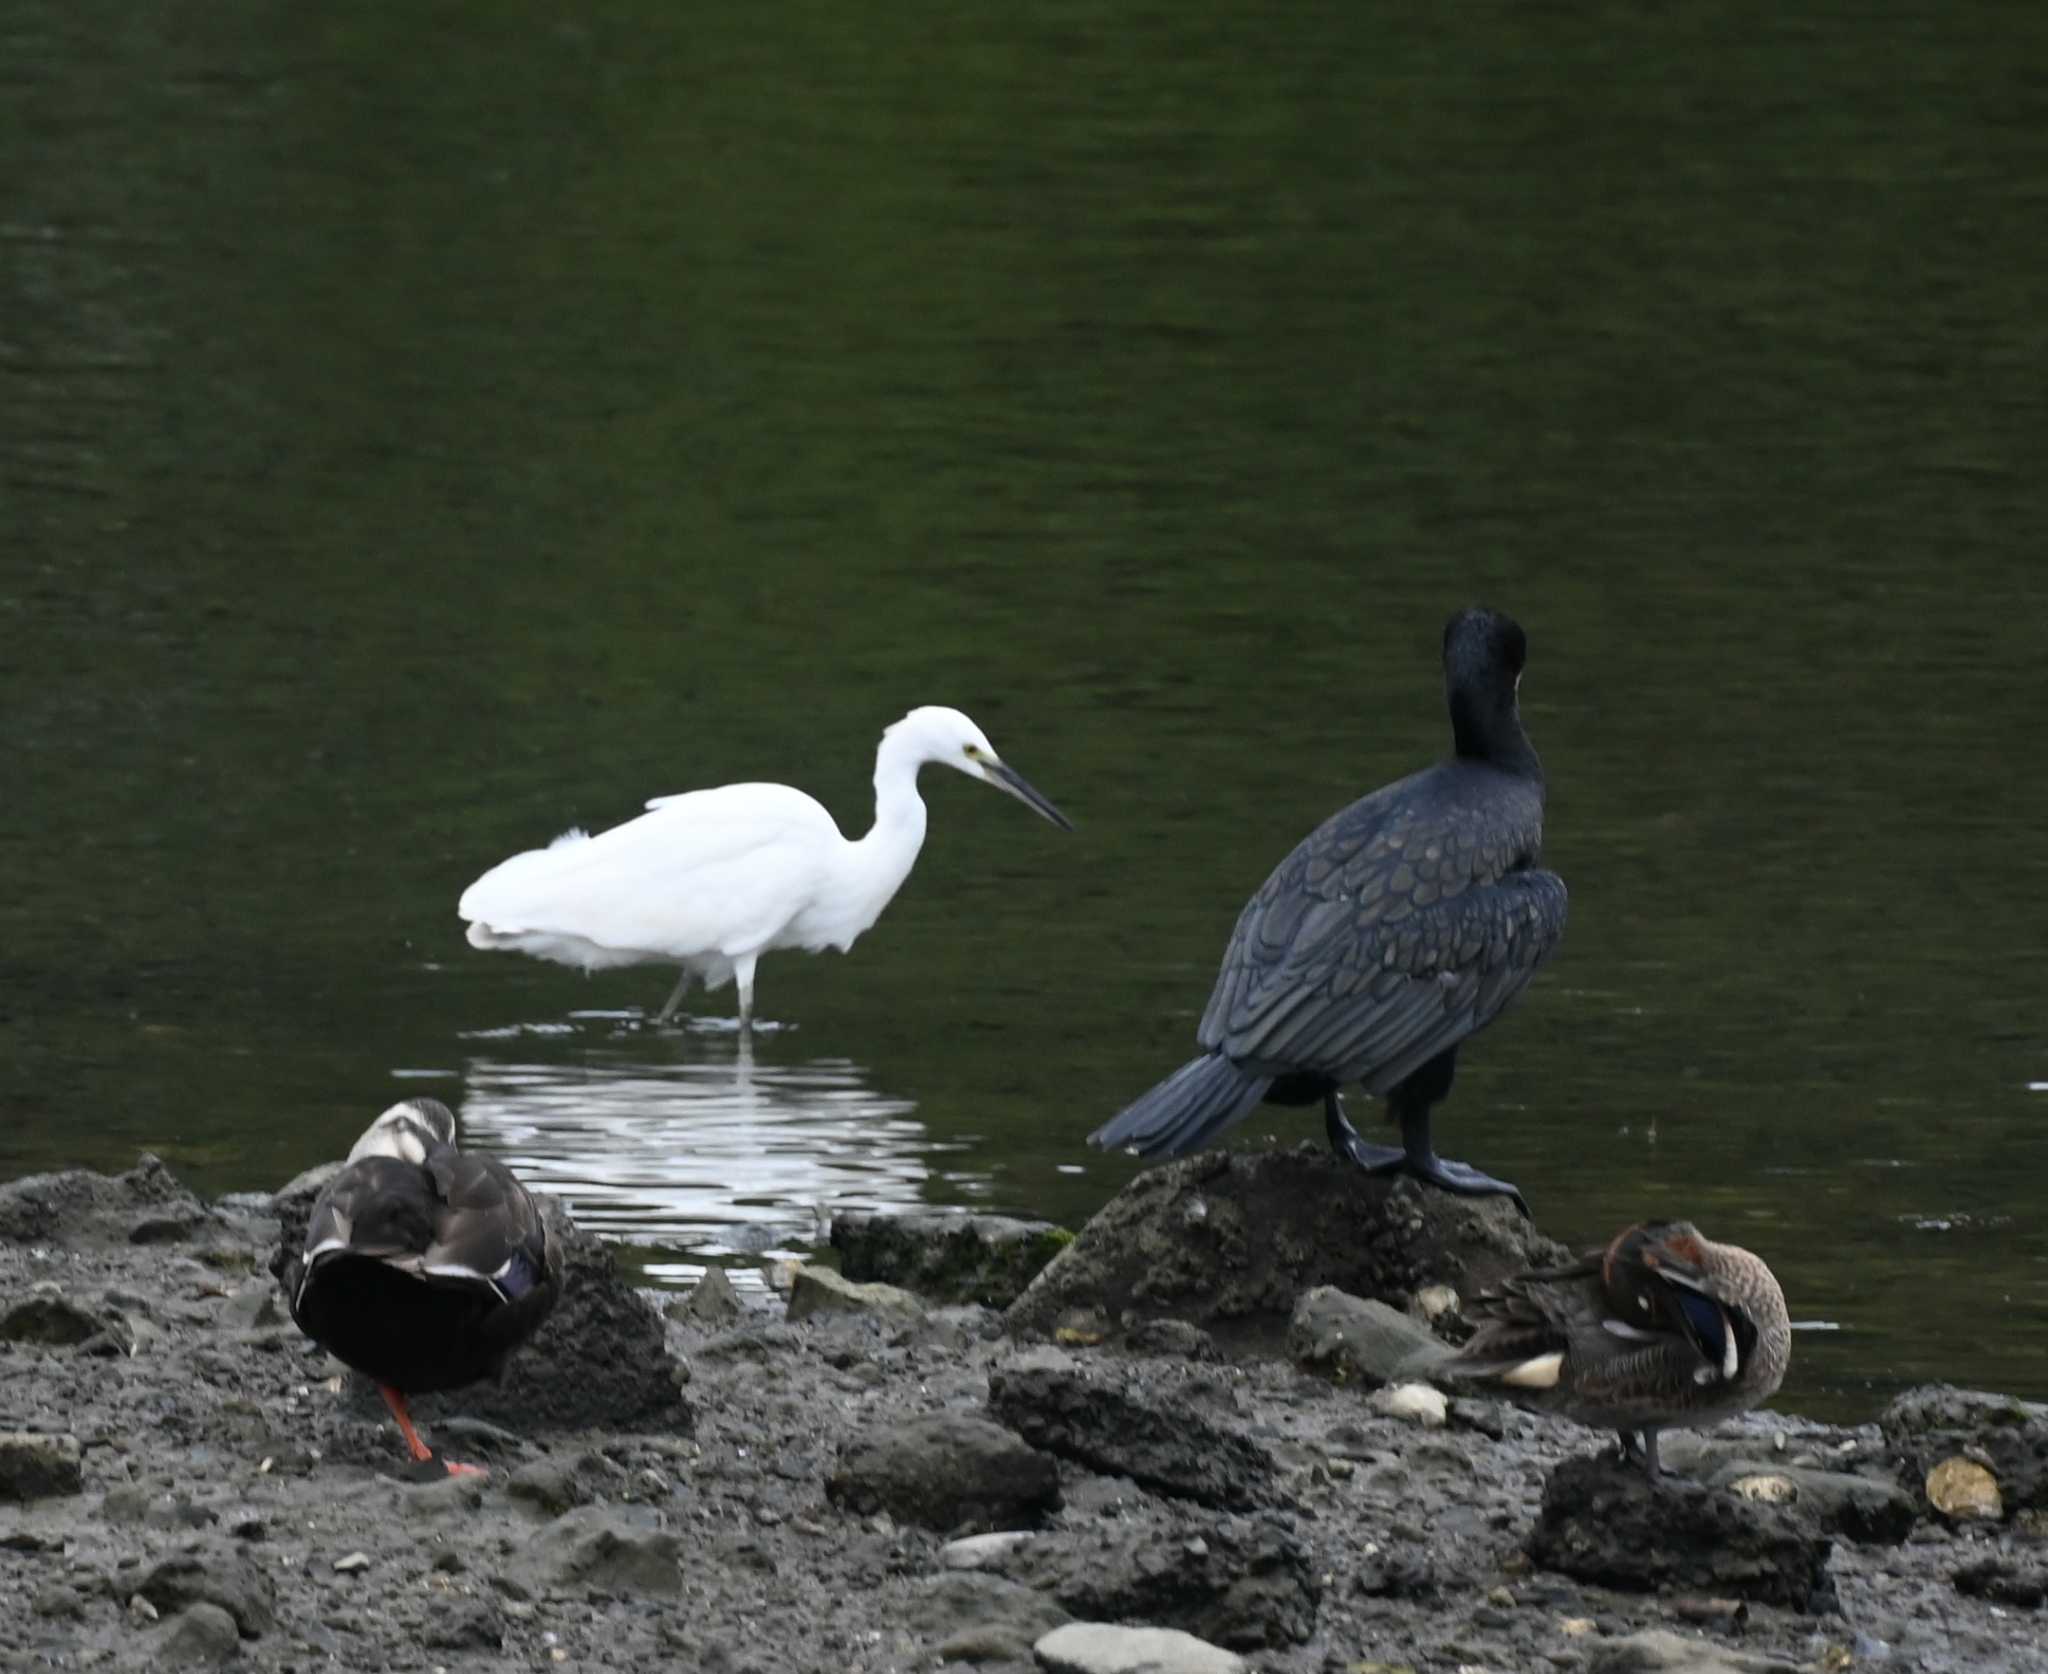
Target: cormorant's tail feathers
1187,1110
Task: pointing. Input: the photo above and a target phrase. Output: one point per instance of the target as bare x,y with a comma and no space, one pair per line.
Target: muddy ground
184,1480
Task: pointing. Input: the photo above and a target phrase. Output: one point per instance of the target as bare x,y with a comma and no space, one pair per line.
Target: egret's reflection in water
683,1145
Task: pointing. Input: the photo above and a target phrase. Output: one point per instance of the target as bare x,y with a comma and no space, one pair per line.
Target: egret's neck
882,859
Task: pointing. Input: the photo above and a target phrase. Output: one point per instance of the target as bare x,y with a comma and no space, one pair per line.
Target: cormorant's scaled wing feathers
1382,940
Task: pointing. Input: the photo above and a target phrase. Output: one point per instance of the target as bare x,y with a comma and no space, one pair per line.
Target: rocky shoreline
1198,1436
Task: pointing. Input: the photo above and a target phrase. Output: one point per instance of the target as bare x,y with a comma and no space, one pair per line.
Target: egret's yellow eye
971,751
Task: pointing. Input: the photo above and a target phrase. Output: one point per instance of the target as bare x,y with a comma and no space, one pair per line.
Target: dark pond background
423,427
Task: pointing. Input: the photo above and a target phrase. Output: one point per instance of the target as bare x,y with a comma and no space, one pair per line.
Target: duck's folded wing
488,1228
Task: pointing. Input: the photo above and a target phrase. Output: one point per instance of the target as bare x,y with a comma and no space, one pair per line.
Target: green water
426,427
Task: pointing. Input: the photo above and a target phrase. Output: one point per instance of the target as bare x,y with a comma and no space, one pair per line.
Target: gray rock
603,1548
35,1466
1860,1508
946,1471
1156,1440
201,1635
1172,1338
712,1302
1349,1336
823,1290
213,1572
1102,1648
2009,1437
2014,1581
1606,1522
49,1320
987,1259
1660,1651
970,1617
1238,1582
1228,1240
78,1208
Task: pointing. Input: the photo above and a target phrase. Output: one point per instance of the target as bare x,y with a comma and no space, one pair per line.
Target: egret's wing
708,871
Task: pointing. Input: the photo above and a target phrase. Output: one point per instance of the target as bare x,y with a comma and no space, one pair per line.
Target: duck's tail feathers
1191,1107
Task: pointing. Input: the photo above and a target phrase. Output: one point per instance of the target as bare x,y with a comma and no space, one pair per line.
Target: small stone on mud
199,1636
354,1562
1435,1302
979,1551
945,1471
1963,1489
1106,1648
1345,1335
823,1290
712,1302
1123,1428
49,1320
1417,1403
1772,1489
1660,1651
36,1466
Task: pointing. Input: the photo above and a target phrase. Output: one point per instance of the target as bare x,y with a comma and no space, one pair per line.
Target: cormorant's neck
1489,729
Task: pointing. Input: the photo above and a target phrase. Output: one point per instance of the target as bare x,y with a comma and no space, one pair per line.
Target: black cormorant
1394,930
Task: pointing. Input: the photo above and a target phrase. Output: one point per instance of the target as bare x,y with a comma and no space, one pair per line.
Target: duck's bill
1009,779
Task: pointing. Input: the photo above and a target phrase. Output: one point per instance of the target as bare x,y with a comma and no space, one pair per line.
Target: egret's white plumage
712,879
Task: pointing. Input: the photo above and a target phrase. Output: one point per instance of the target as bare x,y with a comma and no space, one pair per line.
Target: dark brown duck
423,1267
1661,1328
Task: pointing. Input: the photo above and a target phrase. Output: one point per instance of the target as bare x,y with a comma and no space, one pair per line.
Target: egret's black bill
1009,779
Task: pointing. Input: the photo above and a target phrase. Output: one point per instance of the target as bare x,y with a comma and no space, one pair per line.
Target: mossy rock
985,1259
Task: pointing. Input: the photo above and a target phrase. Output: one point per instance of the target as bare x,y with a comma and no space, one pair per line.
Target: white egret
712,879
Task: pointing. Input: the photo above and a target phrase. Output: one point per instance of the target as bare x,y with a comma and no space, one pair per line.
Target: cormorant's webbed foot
1346,1142
1461,1178
1415,1157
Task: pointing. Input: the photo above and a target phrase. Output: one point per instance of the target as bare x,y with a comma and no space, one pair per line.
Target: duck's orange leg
420,1451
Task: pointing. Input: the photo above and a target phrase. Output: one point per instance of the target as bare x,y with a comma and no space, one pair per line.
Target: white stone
1435,1301
974,1551
1101,1648
1416,1402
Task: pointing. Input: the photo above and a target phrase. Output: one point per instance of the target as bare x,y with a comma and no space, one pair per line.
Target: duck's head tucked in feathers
1659,1327
407,1132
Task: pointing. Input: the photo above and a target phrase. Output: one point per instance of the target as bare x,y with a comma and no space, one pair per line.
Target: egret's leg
675,999
743,974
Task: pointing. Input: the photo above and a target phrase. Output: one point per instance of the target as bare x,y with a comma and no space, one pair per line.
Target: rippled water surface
425,429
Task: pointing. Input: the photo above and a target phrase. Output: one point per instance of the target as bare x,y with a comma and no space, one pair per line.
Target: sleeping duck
423,1267
1660,1328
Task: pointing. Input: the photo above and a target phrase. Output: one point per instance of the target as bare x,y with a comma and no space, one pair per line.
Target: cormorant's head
1483,656
1484,649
